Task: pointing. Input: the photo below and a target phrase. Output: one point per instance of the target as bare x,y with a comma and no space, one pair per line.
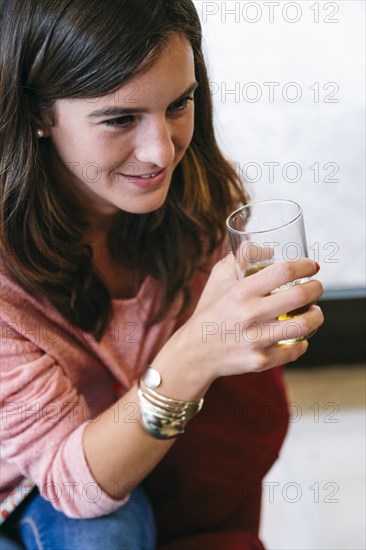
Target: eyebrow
120,111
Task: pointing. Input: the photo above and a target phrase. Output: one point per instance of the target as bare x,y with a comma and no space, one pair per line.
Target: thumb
223,274
226,269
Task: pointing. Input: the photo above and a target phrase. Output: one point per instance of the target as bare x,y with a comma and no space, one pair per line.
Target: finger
292,300
276,275
279,354
301,326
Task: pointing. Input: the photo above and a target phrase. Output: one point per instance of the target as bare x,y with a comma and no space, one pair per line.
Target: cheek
81,149
70,145
184,136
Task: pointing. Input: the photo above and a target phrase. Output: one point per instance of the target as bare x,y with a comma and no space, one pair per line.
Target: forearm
119,451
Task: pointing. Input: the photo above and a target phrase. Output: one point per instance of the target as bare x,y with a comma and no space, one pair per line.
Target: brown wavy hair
54,49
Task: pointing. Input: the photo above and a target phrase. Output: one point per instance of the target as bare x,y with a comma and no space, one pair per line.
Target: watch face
152,378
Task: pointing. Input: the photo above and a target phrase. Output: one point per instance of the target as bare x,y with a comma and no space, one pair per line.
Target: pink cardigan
56,378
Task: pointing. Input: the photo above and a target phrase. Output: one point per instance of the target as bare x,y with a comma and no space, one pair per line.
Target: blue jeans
41,527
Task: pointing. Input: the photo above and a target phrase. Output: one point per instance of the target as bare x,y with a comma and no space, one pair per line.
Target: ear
42,119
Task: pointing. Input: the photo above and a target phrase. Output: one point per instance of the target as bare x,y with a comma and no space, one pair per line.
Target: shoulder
16,303
11,289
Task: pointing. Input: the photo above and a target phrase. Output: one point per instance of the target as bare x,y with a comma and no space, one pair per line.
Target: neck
98,227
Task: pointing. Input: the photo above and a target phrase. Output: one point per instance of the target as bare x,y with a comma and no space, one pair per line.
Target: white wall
256,52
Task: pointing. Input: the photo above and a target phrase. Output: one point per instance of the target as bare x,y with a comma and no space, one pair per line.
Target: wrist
184,375
161,416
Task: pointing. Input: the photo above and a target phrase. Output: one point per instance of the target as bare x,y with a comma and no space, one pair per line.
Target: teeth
149,176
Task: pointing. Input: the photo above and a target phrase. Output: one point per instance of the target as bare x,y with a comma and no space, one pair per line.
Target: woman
114,199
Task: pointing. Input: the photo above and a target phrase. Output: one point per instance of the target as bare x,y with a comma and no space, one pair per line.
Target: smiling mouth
150,181
144,176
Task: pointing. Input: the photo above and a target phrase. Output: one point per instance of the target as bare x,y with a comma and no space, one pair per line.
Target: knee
131,526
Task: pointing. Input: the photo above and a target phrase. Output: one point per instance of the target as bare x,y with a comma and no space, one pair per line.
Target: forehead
162,81
171,72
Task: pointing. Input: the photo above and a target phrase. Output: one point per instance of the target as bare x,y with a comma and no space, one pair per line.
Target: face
118,152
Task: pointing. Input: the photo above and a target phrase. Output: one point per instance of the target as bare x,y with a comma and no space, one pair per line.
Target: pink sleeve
43,420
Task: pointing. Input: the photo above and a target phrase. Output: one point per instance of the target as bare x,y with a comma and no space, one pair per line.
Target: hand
235,329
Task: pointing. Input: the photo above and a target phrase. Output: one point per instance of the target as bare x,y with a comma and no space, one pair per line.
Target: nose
154,144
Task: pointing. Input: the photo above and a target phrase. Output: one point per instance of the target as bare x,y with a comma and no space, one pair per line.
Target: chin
150,201
142,211
146,208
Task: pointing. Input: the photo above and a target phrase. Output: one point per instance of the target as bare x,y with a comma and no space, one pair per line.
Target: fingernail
317,267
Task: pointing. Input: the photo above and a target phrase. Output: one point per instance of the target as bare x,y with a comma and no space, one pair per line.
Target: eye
180,105
119,122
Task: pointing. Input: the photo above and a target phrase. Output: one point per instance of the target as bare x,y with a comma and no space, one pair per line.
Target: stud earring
40,133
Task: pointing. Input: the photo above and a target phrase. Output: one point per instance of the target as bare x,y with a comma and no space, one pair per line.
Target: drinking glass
265,232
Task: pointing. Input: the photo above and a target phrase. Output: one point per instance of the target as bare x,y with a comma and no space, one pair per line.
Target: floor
314,496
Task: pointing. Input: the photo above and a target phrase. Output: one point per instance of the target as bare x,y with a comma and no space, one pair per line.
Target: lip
146,183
